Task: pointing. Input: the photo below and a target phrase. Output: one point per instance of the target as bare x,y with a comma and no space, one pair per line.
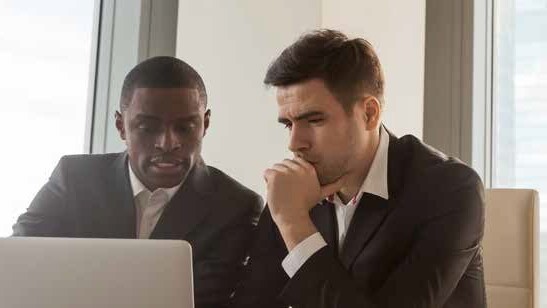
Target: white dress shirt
375,183
149,205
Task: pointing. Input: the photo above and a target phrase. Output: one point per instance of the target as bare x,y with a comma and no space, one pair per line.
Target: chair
511,249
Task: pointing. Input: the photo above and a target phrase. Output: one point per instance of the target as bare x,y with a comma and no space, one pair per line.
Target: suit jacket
420,248
90,196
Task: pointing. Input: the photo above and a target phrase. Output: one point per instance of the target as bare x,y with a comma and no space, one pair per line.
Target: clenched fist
293,189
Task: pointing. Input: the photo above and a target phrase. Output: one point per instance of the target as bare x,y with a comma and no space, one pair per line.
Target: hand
292,191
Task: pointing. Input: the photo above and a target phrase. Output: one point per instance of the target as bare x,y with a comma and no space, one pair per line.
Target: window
519,153
45,52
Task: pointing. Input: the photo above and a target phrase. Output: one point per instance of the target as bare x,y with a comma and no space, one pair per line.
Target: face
163,131
334,141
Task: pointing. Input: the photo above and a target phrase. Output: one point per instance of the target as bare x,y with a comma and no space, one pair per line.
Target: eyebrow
147,117
300,117
141,116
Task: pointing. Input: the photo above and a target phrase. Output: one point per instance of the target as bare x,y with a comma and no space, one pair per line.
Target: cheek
330,136
335,142
191,143
196,144
137,143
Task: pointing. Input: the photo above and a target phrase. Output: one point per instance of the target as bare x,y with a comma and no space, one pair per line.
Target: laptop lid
86,273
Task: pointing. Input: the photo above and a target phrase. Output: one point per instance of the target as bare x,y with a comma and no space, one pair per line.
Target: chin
328,178
325,180
169,184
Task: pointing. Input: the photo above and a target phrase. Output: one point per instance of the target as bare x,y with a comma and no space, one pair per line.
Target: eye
316,121
147,127
186,128
288,125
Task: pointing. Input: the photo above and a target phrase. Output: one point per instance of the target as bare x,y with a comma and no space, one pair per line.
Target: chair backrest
511,252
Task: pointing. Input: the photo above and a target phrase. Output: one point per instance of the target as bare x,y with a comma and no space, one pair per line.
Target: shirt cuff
302,252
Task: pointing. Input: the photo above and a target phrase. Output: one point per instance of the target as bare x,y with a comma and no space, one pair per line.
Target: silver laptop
85,273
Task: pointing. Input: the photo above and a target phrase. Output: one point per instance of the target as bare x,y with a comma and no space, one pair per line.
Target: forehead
299,98
165,100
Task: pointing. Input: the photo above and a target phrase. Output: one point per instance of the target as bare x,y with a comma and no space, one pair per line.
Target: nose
168,141
298,142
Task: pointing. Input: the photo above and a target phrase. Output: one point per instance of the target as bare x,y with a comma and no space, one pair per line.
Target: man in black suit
160,188
359,217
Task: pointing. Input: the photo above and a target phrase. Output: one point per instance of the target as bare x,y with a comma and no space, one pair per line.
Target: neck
355,179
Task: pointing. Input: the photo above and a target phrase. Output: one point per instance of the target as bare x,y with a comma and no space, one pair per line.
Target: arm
264,277
220,269
46,214
444,247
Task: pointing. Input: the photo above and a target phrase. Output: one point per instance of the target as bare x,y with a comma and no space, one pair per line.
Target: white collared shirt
149,205
375,183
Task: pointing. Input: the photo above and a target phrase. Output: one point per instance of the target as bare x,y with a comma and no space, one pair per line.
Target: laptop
98,273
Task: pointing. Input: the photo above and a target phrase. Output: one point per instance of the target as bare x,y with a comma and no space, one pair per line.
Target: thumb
332,188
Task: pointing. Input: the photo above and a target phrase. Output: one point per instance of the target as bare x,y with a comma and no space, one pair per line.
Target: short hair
348,67
161,72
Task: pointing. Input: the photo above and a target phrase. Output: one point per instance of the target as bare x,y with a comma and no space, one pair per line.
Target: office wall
396,28
230,43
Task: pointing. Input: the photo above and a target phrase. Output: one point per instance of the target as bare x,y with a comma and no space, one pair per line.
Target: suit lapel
324,218
372,210
369,215
188,207
120,214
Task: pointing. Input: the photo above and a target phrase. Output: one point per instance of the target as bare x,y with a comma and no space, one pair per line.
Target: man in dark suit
160,188
359,217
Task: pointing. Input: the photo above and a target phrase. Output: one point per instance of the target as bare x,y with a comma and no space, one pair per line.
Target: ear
119,125
206,121
372,112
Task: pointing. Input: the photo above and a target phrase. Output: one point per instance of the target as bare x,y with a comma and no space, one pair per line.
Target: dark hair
161,72
349,67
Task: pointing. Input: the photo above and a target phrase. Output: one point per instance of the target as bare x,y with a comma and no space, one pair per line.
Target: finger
280,167
292,164
332,188
268,173
304,163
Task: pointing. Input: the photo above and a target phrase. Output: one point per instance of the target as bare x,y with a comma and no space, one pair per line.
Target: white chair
511,249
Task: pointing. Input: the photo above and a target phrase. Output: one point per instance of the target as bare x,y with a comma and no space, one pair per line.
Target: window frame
458,105
125,33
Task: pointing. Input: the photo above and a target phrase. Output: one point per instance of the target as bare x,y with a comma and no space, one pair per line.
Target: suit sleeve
443,249
264,276
222,268
46,214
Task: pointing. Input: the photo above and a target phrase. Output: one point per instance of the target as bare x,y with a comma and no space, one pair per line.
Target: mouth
308,159
166,166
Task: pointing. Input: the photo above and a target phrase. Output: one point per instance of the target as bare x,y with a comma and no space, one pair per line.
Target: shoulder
435,175
89,160
90,165
433,165
226,185
231,190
